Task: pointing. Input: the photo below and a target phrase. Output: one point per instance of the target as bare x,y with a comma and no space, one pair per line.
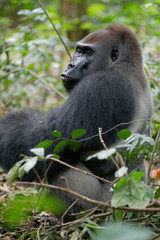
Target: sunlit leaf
38,151
102,154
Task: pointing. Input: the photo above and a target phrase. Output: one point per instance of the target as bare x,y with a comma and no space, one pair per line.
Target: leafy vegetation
31,60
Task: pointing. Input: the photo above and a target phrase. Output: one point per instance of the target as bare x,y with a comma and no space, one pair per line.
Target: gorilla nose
71,65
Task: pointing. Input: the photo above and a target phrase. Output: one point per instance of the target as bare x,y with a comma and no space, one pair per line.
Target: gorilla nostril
71,65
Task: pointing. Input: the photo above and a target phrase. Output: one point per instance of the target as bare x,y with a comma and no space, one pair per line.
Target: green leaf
149,192
12,174
118,215
47,202
74,145
132,193
45,144
137,175
56,133
38,151
157,193
78,133
124,134
60,146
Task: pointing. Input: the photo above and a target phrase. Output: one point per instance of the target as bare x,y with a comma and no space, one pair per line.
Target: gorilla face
106,49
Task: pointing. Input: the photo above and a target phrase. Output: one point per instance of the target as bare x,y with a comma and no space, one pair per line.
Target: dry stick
54,28
152,156
80,170
87,199
105,147
68,209
151,75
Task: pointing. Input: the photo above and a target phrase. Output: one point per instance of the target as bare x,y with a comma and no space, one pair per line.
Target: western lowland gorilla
107,86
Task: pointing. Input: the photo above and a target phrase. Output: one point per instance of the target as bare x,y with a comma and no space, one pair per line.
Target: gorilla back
107,86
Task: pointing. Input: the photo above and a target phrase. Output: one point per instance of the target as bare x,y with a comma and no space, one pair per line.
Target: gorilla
107,86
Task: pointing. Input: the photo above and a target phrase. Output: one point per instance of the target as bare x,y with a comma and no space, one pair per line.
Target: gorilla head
115,47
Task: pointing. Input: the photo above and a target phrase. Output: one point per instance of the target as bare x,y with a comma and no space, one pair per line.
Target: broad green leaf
74,145
38,151
56,133
78,133
124,134
12,174
133,194
45,144
60,146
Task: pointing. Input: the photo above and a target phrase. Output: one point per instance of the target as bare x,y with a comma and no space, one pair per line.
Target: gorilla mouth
68,82
67,79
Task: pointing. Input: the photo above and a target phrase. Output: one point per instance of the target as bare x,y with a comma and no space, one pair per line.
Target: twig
38,235
105,147
68,209
37,175
87,199
151,75
54,28
80,170
118,125
66,182
42,80
152,156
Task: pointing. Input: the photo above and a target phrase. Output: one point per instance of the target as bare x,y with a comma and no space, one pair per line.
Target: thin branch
55,28
80,170
68,209
87,199
42,80
118,125
152,156
151,75
105,147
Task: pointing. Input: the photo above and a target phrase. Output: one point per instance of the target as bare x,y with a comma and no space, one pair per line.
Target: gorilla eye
78,50
114,54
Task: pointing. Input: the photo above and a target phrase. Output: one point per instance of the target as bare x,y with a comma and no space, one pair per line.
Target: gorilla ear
114,54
